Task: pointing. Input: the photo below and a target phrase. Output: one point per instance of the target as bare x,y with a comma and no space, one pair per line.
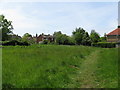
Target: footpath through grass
100,70
52,66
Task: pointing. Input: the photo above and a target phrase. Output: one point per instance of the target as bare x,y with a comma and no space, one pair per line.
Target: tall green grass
107,68
49,66
0,68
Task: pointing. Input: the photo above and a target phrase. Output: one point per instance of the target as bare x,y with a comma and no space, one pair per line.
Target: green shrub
45,42
104,44
14,43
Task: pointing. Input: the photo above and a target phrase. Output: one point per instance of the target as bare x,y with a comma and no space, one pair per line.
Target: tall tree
80,36
57,36
5,28
94,36
61,38
86,39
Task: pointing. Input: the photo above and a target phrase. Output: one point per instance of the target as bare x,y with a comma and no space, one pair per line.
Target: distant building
42,37
114,36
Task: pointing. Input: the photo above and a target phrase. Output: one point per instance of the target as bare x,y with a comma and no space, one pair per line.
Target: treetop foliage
5,27
95,37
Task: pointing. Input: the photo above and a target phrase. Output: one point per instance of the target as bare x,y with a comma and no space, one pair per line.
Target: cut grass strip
99,70
87,73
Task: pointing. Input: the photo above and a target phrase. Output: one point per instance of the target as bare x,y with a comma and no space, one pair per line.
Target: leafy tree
95,37
57,37
81,36
28,38
71,40
5,28
64,39
78,35
61,38
86,39
26,35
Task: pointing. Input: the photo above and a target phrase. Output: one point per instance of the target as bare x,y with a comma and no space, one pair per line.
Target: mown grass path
87,72
99,70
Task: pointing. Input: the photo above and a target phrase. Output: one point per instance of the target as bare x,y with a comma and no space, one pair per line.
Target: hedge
104,44
14,43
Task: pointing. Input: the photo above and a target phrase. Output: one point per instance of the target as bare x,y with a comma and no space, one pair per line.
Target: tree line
79,35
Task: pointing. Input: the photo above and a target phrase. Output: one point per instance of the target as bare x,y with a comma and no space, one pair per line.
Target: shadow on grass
6,86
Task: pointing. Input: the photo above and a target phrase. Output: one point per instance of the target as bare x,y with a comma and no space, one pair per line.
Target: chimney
118,26
36,35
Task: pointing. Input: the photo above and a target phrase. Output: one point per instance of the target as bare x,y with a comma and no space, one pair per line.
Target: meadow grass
107,68
56,66
0,68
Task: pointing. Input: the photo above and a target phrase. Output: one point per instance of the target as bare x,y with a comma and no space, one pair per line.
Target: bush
45,42
23,44
11,43
104,44
14,43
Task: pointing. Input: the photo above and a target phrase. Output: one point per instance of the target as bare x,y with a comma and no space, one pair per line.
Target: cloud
20,21
49,17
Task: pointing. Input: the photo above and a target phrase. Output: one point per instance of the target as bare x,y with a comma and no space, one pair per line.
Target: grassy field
52,66
0,68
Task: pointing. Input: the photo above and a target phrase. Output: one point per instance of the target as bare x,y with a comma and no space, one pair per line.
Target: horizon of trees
79,35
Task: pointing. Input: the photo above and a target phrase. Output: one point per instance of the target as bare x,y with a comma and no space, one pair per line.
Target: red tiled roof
115,32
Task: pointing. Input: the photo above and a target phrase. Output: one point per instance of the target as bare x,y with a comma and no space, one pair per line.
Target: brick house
42,37
114,36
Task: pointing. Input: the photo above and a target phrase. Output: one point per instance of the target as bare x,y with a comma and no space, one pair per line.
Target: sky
48,17
119,13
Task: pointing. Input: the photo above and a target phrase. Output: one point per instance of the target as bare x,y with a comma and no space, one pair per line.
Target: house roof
46,36
115,32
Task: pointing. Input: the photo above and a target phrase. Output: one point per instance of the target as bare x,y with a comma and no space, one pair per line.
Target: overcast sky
48,17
